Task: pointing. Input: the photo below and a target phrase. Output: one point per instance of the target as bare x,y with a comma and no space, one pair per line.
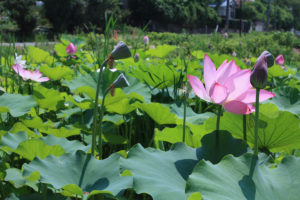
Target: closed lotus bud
136,57
120,51
71,49
120,82
269,58
146,39
279,60
259,74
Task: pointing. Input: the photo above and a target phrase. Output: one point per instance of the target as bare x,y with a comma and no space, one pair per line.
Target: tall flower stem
100,125
218,122
96,108
256,123
245,127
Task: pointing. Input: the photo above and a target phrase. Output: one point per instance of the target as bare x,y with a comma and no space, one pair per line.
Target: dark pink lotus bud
71,49
279,60
259,74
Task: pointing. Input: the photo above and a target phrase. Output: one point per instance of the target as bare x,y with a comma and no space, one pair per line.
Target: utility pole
241,17
227,16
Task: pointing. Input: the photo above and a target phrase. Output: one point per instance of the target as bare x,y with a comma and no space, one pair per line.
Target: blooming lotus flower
279,60
29,75
71,49
228,86
146,39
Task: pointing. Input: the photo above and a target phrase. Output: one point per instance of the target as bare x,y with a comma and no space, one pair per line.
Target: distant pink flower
29,75
283,67
115,34
146,39
234,54
228,86
152,46
279,60
71,49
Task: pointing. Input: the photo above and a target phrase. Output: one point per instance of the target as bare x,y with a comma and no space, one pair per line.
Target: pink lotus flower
234,54
29,75
228,86
71,49
279,60
146,39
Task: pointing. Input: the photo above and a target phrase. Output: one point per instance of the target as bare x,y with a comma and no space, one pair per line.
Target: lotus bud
279,60
146,40
120,82
71,49
269,58
121,51
259,74
136,57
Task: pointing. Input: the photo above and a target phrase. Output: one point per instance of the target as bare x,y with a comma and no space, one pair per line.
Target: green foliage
183,13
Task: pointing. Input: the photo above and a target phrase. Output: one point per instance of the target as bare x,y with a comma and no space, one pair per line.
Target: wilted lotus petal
121,51
269,58
279,60
71,49
120,82
18,60
259,74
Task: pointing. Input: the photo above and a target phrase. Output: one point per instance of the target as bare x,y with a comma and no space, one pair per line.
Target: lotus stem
218,122
245,127
95,108
184,116
100,125
256,123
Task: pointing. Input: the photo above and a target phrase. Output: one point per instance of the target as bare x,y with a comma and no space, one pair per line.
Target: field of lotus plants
124,120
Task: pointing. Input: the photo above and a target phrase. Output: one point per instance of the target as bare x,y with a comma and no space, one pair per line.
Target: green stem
218,120
184,117
245,127
45,192
100,125
2,190
95,108
256,123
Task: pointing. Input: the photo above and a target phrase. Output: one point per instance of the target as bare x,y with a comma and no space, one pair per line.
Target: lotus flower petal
250,96
279,60
226,70
218,93
198,87
210,72
238,107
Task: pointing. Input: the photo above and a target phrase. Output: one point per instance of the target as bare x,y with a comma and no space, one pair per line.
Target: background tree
65,15
23,13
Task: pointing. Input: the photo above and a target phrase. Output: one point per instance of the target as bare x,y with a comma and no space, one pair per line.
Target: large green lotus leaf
49,99
57,73
28,148
82,170
67,145
38,56
20,127
159,113
287,99
163,174
246,178
276,71
16,104
61,132
278,130
15,176
138,90
160,51
88,83
60,49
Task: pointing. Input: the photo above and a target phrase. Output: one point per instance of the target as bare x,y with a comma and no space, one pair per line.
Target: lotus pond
159,122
